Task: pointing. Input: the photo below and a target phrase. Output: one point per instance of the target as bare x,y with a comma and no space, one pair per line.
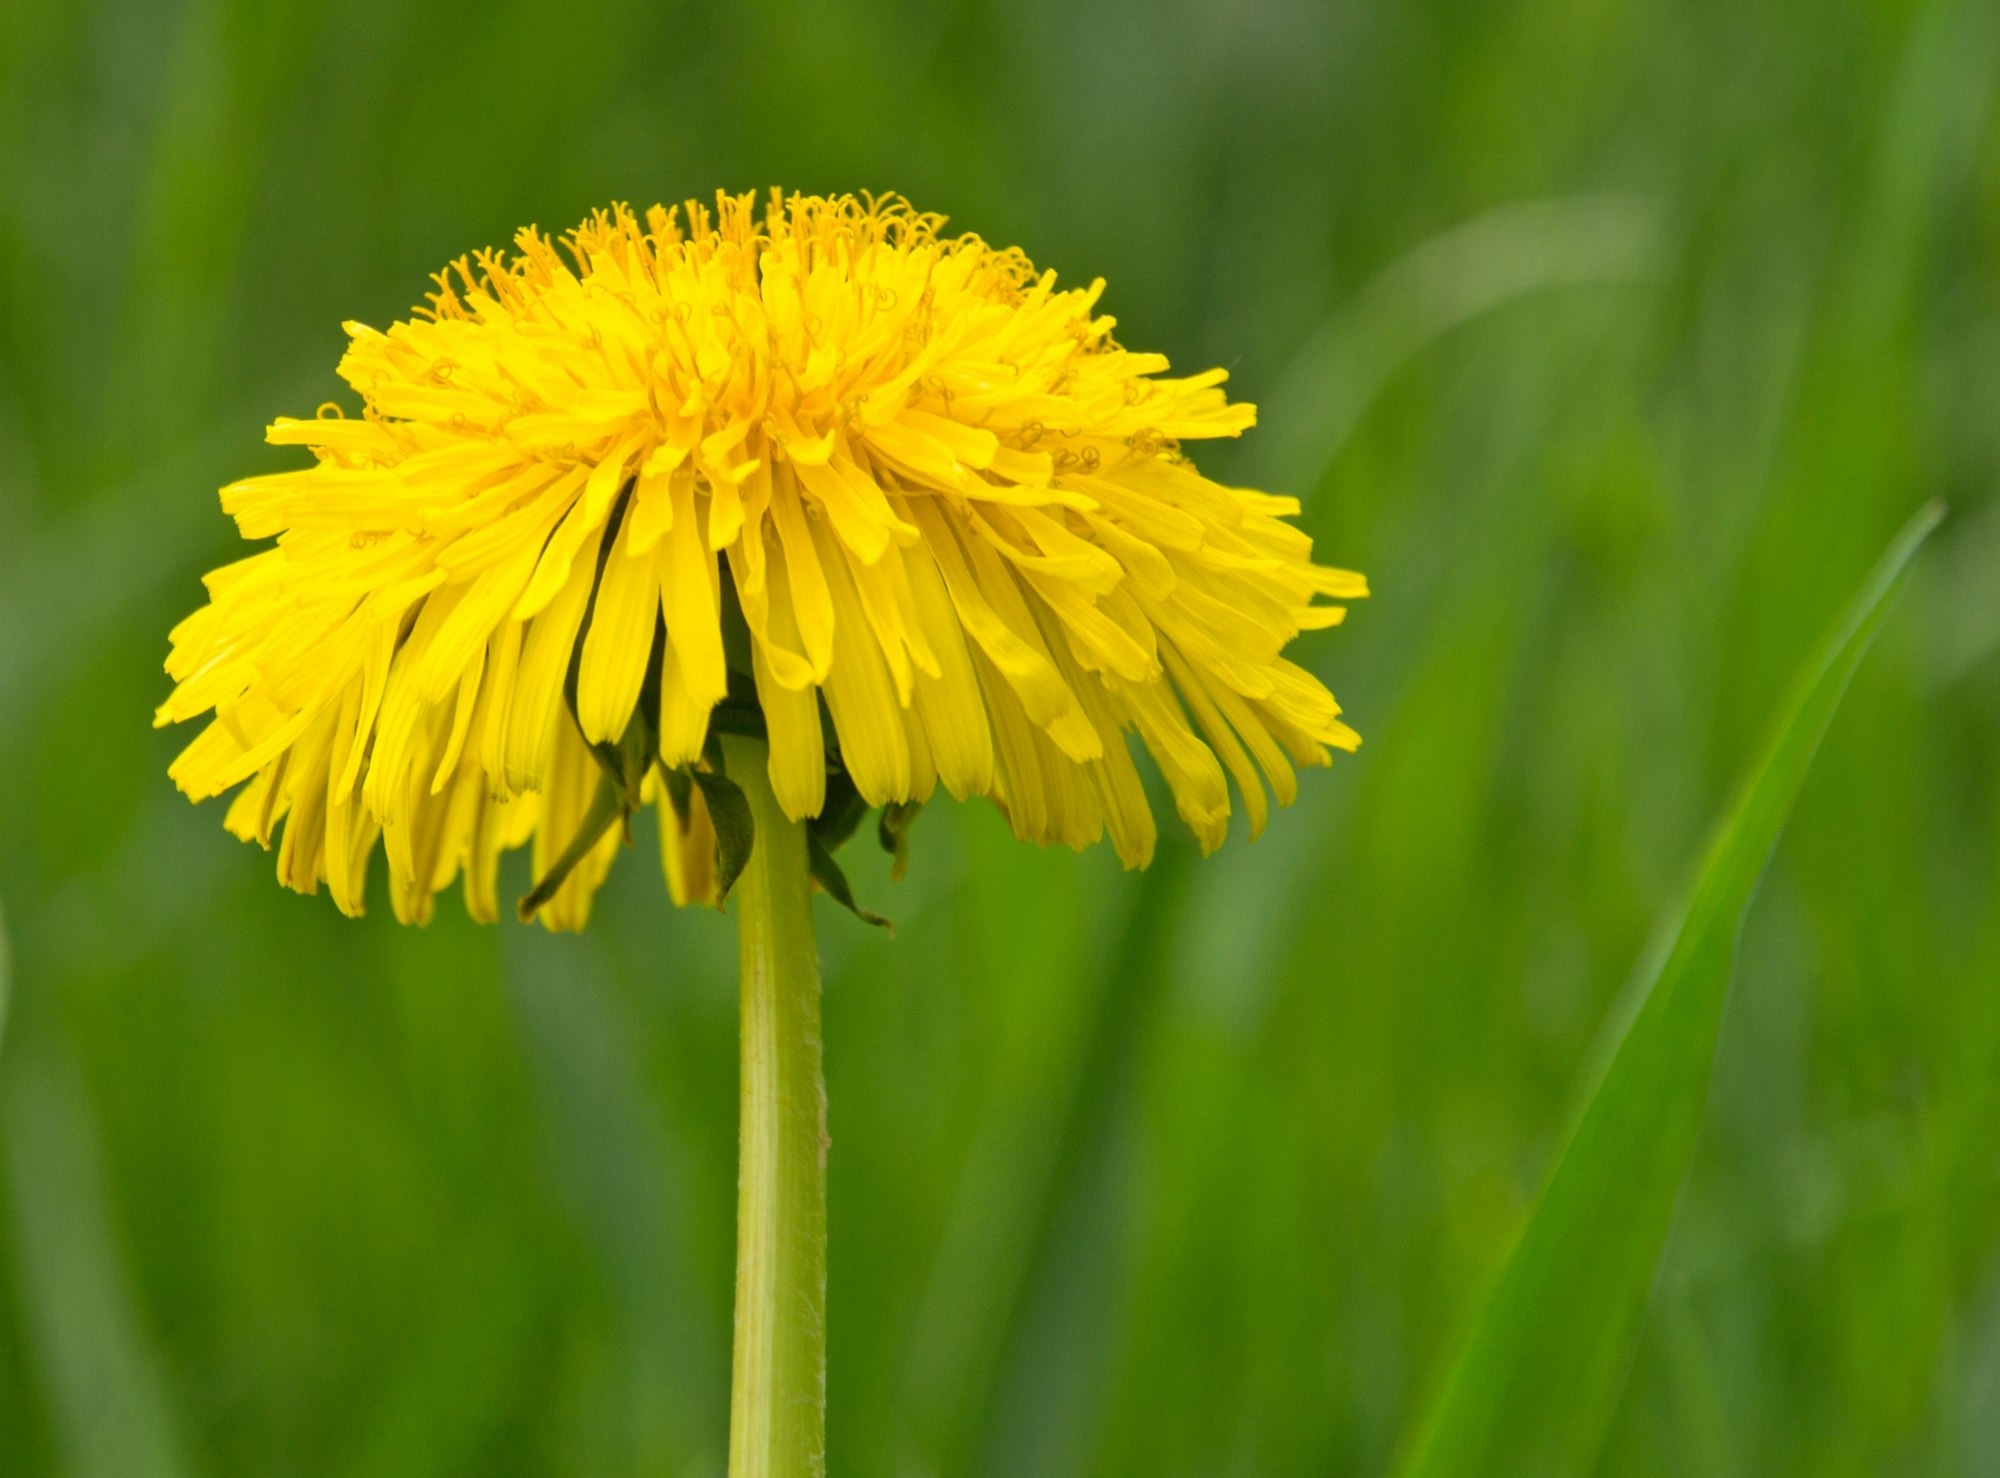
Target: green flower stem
777,1411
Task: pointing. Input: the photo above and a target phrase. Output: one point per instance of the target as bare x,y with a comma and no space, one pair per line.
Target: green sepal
627,761
680,790
893,832
606,806
735,714
735,832
826,872
633,757
841,813
736,641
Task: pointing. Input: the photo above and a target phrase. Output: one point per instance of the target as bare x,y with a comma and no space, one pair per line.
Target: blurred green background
1612,340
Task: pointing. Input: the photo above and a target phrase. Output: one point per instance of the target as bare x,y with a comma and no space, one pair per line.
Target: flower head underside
892,499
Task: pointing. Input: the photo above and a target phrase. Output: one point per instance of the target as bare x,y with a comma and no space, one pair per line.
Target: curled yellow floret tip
890,498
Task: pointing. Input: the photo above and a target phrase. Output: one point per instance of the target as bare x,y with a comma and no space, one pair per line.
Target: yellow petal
545,656
683,721
618,643
812,603
949,704
687,855
1221,738
874,743
791,713
690,596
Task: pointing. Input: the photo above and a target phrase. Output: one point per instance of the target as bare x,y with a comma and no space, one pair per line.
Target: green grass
1540,1374
1614,342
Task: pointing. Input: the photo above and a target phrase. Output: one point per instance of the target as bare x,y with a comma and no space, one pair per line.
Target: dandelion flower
888,498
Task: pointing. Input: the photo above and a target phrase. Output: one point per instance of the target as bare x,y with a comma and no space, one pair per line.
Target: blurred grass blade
1482,265
5,977
106,1384
1536,1384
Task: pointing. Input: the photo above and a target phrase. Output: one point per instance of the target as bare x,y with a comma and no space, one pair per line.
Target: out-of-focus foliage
1544,1363
1612,340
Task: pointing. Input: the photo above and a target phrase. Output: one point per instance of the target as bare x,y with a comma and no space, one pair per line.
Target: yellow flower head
756,472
